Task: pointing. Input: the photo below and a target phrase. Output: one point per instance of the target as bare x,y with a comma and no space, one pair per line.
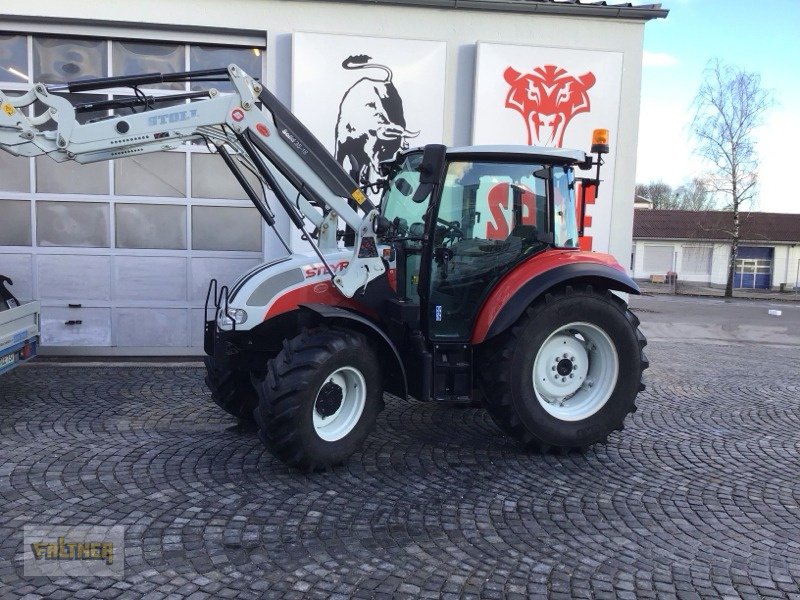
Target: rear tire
320,398
231,390
567,373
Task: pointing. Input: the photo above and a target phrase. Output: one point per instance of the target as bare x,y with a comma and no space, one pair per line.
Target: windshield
397,200
494,209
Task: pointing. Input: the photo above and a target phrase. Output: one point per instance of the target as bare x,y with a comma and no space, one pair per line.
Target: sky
758,36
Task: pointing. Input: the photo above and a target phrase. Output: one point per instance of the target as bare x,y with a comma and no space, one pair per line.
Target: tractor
466,284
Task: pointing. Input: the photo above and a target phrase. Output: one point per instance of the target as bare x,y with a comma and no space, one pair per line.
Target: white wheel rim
575,371
354,396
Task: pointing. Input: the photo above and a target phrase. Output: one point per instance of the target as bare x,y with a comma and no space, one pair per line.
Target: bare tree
728,108
692,195
658,192
695,195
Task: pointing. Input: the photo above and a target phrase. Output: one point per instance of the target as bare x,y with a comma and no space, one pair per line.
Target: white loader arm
267,140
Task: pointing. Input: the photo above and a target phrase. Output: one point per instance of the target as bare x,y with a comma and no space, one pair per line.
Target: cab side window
491,215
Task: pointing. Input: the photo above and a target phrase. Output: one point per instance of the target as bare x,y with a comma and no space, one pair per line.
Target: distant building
642,202
697,246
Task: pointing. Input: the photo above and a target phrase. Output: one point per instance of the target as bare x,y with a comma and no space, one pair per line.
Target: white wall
719,258
793,275
784,269
461,29
719,264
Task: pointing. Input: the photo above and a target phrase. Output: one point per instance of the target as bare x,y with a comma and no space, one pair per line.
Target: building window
15,225
77,224
62,214
151,226
15,174
70,177
59,60
157,174
224,227
131,58
14,57
214,57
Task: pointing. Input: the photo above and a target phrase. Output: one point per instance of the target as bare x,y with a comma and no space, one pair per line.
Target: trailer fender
395,378
602,276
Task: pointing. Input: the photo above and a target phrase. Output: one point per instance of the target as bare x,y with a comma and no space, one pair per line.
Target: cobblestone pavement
698,497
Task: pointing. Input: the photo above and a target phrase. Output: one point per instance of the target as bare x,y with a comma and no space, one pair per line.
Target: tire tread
231,390
495,382
288,374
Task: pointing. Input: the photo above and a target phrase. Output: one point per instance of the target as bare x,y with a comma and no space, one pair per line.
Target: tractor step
452,372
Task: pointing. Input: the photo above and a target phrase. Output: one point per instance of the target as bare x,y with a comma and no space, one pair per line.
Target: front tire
231,390
320,398
567,374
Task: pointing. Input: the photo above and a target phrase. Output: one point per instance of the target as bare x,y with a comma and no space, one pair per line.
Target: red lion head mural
547,99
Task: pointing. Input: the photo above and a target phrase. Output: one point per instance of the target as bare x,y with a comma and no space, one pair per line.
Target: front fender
503,307
396,382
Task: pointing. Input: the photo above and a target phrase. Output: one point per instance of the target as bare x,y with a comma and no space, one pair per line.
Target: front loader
466,284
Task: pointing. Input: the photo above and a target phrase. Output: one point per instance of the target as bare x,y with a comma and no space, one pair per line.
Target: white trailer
19,335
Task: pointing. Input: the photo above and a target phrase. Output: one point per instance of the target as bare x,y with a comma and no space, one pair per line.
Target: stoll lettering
173,117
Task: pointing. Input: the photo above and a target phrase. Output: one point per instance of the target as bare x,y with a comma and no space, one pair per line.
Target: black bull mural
371,126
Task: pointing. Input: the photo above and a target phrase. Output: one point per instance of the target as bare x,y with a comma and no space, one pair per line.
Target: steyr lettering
319,269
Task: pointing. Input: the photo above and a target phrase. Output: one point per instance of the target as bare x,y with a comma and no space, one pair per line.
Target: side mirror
402,186
431,170
543,173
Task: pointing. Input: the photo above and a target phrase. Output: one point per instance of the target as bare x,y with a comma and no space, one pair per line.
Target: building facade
697,247
120,253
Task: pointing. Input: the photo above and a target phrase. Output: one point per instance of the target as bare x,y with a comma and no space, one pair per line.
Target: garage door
120,254
658,259
753,267
696,263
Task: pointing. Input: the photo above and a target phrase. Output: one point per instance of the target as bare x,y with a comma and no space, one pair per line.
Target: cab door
489,217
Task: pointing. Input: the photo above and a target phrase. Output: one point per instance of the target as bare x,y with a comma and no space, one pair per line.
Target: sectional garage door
696,263
753,267
658,259
120,254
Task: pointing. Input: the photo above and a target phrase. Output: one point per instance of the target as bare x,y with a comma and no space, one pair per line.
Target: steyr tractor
467,284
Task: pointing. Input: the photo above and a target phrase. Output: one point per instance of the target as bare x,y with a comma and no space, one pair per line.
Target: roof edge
717,240
645,12
81,26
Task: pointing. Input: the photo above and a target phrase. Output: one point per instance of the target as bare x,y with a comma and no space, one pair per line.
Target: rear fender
504,306
395,373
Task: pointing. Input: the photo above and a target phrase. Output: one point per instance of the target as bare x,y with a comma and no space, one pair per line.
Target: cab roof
518,151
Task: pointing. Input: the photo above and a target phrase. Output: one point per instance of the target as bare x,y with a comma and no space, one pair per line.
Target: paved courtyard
698,497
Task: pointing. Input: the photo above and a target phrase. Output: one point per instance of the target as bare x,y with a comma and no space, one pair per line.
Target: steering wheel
453,229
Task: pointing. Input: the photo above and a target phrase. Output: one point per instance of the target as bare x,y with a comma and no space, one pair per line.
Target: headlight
234,315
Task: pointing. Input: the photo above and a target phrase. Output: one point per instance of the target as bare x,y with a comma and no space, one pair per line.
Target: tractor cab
491,208
461,220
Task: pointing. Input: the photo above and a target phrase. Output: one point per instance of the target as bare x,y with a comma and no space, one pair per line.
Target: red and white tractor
466,284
